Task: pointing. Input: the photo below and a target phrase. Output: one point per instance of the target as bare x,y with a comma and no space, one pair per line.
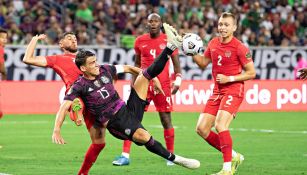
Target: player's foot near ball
187,163
172,35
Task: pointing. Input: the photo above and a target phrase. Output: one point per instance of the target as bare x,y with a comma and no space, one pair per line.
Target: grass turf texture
272,143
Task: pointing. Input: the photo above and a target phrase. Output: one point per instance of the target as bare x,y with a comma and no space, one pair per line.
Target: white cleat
187,163
172,35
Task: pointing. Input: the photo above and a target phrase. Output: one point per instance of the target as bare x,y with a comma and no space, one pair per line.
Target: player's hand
175,88
303,73
41,36
222,79
157,86
57,138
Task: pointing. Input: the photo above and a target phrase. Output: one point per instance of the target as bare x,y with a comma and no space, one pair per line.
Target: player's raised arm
177,70
29,57
201,61
60,117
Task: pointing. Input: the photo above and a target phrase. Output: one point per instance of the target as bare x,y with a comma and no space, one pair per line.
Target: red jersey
150,48
228,59
1,55
64,65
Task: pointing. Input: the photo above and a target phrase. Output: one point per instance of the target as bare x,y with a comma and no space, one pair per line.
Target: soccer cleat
121,161
236,161
187,163
77,111
169,163
172,35
223,172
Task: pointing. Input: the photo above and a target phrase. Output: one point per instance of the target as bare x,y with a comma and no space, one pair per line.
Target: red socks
226,145
90,158
127,146
214,140
169,137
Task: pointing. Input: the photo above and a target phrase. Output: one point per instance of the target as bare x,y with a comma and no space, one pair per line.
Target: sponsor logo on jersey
90,89
127,131
96,83
228,54
105,79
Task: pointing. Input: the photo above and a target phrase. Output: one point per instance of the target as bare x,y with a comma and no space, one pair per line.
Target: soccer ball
192,44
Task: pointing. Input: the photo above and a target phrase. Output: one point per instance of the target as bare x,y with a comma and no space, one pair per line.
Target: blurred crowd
118,22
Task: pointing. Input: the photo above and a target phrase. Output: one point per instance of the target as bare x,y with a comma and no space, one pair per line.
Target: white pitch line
26,122
4,174
241,130
267,131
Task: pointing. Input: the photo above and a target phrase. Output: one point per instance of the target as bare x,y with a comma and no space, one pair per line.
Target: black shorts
128,119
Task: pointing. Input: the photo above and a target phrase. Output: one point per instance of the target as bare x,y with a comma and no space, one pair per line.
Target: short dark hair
299,56
66,33
3,30
81,57
228,14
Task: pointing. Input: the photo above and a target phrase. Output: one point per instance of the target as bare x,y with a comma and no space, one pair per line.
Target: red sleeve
136,47
1,55
207,53
51,60
244,54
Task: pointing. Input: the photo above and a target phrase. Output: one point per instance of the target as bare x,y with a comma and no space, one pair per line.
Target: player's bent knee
141,136
202,131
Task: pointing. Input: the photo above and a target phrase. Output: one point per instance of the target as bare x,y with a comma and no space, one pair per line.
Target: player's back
64,65
99,95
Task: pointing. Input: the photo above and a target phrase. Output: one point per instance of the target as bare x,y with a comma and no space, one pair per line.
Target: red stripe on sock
90,158
226,145
169,137
127,146
214,140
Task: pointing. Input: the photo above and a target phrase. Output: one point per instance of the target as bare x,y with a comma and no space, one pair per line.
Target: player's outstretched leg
156,147
77,111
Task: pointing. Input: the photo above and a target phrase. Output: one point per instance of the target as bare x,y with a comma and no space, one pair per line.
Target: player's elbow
26,60
252,75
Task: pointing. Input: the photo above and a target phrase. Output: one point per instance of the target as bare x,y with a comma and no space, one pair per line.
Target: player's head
3,37
299,57
68,42
154,24
86,61
227,25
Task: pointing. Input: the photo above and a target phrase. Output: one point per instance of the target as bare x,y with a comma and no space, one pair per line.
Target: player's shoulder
213,42
240,45
143,37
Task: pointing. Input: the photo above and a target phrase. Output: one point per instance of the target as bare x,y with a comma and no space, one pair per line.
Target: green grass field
272,143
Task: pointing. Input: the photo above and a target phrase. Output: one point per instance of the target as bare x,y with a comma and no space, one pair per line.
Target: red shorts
162,103
88,119
229,103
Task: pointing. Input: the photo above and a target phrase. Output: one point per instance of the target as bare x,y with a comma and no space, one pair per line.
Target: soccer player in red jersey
229,57
65,66
3,40
147,47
